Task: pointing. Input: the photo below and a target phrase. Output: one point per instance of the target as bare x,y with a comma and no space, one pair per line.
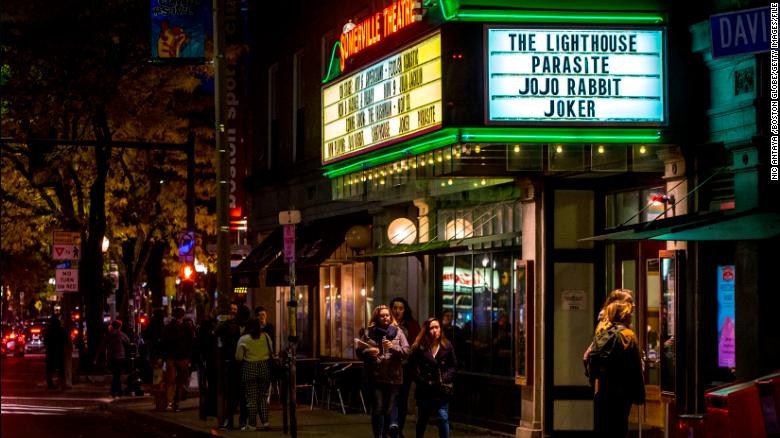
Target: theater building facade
505,166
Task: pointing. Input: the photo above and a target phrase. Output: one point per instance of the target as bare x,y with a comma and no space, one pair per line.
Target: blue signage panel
739,32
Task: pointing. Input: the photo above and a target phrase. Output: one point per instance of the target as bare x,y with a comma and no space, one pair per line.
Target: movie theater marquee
575,75
394,99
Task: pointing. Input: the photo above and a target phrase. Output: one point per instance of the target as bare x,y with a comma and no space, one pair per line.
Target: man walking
178,339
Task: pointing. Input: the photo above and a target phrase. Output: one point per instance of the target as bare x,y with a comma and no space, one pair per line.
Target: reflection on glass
652,341
667,340
520,319
501,282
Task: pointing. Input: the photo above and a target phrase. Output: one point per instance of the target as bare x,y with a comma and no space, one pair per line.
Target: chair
336,375
305,378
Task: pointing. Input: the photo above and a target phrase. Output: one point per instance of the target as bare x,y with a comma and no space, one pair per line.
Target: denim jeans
442,410
382,412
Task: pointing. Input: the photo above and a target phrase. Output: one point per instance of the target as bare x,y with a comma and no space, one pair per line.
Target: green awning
746,225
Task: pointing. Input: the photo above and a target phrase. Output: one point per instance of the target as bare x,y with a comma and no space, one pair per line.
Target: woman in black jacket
433,359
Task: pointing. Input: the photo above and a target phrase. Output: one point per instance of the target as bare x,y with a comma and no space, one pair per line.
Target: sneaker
392,431
248,428
226,425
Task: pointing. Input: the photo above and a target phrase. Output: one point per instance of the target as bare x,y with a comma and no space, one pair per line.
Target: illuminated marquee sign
575,75
392,100
380,25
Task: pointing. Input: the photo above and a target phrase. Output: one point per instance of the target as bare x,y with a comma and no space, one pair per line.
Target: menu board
392,100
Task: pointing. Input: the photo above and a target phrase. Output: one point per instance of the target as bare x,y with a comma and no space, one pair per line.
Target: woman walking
383,348
406,322
254,353
434,363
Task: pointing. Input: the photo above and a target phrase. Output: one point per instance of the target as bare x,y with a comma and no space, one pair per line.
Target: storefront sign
573,300
392,100
575,75
373,29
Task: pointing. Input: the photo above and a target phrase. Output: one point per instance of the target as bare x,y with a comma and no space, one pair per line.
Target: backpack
603,354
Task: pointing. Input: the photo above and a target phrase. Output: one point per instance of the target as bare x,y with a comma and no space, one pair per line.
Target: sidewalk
311,423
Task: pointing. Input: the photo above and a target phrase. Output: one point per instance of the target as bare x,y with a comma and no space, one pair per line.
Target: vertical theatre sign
575,75
389,101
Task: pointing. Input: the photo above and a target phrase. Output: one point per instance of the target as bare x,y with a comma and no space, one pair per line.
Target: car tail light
12,336
35,330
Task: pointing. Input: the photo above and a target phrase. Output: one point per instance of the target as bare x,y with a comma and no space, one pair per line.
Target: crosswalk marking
13,408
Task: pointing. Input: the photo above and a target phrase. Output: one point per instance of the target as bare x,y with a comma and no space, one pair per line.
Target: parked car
12,341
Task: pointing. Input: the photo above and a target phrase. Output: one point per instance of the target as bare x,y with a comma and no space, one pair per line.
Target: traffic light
188,273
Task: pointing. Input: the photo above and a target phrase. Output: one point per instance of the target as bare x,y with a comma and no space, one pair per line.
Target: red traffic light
142,320
187,272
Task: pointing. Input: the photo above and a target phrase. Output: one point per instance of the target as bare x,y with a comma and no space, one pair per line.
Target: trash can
691,426
769,396
733,411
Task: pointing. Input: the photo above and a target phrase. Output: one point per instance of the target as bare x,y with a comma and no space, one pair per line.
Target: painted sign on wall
575,75
394,99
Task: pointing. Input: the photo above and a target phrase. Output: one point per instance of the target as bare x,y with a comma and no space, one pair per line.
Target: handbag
447,389
275,363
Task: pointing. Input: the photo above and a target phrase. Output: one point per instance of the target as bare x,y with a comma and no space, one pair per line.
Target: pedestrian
602,322
402,314
54,342
228,333
262,316
207,358
618,383
177,338
115,344
68,328
383,348
253,352
453,333
434,364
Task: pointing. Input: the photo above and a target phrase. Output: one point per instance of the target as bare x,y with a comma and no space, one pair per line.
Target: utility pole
223,162
224,291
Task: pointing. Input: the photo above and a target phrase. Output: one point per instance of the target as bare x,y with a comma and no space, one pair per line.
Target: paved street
30,410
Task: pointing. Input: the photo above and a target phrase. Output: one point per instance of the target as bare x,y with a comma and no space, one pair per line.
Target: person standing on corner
383,348
54,342
620,383
434,364
254,352
406,322
115,343
262,316
178,338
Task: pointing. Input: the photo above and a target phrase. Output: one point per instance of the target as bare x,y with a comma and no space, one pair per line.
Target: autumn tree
87,84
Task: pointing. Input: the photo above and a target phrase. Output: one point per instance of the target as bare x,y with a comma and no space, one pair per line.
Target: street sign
66,252
289,217
738,32
66,238
187,247
289,243
67,280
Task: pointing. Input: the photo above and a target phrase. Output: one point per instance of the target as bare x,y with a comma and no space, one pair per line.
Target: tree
87,79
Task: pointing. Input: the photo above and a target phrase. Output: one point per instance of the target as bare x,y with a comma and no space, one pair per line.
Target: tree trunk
91,268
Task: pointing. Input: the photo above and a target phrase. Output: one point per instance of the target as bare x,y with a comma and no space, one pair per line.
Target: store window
477,293
346,299
635,206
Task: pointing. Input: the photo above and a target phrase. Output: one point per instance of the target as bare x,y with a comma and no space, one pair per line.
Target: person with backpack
614,366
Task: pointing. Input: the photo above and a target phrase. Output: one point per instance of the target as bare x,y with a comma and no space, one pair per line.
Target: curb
170,428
